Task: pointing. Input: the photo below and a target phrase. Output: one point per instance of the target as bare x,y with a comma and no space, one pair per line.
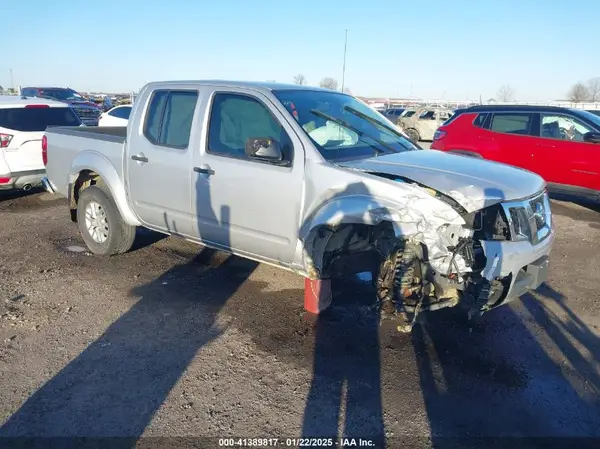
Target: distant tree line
585,92
326,83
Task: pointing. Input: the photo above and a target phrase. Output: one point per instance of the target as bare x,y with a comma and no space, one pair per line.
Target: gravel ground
169,340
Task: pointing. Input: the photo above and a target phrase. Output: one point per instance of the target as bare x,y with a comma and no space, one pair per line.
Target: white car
22,125
117,116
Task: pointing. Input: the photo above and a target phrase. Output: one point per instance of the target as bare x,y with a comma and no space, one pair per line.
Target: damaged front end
410,280
421,259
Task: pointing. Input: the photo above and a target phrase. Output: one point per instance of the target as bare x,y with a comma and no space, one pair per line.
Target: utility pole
344,67
12,86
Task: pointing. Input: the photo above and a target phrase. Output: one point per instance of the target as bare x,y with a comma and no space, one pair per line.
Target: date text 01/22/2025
295,442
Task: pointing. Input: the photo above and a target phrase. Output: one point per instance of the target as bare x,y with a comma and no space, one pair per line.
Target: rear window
37,119
480,120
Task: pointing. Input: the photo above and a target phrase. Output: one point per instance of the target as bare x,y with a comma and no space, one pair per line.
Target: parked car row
561,145
422,123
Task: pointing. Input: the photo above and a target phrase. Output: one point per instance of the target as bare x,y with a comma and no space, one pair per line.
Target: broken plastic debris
76,249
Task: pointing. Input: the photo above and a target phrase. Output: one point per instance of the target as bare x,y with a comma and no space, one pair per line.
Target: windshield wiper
352,128
381,125
373,121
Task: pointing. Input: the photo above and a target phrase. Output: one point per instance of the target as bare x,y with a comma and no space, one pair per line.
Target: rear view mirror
263,148
591,137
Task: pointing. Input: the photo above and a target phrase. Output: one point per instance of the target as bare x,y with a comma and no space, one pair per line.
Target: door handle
545,145
139,158
204,170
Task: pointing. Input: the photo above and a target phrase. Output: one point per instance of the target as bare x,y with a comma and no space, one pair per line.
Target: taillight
37,106
4,180
45,150
439,135
5,140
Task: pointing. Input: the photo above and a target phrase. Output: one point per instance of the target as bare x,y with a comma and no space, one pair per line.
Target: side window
563,127
169,118
480,120
125,112
512,123
154,115
121,112
236,118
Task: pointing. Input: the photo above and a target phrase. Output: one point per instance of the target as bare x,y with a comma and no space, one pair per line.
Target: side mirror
591,137
263,148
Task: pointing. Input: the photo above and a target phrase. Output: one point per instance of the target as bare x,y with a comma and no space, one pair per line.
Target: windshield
62,94
341,127
590,116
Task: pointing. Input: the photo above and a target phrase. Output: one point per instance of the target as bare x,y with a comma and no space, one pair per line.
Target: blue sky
431,48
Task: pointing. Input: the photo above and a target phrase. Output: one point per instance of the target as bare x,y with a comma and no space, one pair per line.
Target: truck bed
107,133
67,143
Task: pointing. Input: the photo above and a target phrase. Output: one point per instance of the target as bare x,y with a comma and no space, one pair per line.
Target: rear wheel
101,226
413,134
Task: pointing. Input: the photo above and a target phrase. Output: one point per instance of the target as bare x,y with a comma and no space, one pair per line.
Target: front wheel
101,226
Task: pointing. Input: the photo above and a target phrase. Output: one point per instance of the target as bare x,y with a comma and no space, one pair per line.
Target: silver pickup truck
309,180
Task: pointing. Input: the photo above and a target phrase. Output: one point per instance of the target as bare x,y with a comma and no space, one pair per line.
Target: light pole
11,80
344,67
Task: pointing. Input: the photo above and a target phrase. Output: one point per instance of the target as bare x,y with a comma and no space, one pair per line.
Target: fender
413,215
98,163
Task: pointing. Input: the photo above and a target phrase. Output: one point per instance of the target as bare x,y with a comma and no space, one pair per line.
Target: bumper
48,185
22,180
525,264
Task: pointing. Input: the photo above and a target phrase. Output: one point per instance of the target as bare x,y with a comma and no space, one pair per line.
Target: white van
23,121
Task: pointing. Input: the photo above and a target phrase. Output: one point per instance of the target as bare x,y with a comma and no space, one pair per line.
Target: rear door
562,155
159,161
22,129
507,137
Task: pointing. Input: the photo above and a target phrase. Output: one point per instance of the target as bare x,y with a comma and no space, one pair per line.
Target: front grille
87,113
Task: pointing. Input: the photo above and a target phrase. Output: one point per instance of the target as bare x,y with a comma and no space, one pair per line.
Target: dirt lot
170,341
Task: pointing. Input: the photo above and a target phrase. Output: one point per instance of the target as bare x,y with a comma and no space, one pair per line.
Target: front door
248,206
159,162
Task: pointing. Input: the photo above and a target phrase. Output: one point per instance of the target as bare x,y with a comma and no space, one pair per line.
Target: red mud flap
317,295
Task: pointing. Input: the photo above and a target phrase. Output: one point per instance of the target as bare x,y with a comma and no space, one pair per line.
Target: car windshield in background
62,94
37,119
341,127
594,118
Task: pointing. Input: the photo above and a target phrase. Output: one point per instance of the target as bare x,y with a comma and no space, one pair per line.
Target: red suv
561,145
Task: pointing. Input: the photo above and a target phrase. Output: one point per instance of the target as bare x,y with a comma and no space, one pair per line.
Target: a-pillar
317,295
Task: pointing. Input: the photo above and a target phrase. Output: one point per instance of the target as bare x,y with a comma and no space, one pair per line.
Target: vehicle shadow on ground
578,200
346,382
118,383
492,382
16,194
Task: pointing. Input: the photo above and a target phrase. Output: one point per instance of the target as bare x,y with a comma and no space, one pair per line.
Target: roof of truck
256,85
16,101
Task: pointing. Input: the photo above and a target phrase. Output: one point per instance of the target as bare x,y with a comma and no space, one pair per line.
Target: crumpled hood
474,183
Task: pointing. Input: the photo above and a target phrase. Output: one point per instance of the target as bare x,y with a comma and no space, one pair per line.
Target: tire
108,234
413,134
